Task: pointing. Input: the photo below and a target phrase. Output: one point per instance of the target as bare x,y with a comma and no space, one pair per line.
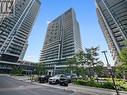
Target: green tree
82,71
122,67
80,57
17,70
79,61
99,70
70,62
40,69
123,56
75,63
92,59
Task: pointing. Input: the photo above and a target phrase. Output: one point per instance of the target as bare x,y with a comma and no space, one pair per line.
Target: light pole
54,69
111,72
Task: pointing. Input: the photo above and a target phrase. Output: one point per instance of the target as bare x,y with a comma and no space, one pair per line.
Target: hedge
121,84
91,83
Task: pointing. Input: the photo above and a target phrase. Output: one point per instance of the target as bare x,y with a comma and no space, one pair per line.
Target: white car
55,79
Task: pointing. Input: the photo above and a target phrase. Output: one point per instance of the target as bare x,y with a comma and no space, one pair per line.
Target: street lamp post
54,71
111,72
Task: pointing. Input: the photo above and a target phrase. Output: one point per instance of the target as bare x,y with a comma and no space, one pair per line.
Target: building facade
15,30
112,16
9,67
62,41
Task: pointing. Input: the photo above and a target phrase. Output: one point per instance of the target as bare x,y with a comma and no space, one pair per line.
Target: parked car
55,79
69,78
64,81
44,78
72,77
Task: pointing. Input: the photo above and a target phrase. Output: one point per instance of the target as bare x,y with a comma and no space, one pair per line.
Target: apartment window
0,31
50,40
51,32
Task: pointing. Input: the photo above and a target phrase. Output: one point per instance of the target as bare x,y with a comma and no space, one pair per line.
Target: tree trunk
90,73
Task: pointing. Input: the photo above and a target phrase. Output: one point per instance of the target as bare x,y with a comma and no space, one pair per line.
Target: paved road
6,82
9,86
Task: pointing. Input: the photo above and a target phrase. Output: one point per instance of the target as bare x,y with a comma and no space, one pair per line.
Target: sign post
111,72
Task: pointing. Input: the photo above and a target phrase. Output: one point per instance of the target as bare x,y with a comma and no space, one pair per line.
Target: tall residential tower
112,16
62,41
15,30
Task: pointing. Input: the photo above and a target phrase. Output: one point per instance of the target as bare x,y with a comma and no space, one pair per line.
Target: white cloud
31,58
48,22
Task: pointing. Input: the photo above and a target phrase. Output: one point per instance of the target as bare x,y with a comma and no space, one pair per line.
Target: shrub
122,84
92,83
87,83
107,85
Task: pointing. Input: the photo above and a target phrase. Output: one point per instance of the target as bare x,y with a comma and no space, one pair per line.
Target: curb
103,89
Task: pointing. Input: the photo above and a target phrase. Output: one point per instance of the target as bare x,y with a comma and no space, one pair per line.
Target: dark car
44,78
64,81
72,77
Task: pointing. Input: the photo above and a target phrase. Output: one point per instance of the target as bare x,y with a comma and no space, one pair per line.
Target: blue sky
91,34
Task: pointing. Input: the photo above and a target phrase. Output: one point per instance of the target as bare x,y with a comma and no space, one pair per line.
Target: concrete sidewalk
22,78
96,91
76,88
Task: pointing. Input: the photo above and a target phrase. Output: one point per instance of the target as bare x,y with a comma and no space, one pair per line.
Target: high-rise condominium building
15,30
62,41
112,16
